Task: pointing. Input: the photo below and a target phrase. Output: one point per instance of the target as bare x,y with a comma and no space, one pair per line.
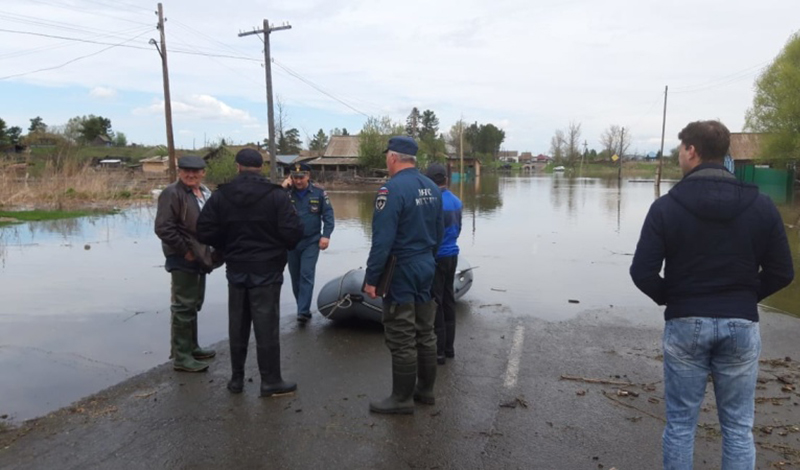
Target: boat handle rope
347,299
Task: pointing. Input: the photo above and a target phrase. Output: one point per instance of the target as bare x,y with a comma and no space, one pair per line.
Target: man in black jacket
253,222
724,249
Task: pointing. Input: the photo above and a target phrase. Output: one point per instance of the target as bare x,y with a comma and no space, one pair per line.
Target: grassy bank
17,217
638,170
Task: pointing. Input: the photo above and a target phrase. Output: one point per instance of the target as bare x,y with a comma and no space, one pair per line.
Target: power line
319,89
72,8
58,45
724,80
90,41
73,60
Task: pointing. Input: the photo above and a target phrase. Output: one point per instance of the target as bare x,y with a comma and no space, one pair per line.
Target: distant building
745,146
508,156
155,165
340,157
102,141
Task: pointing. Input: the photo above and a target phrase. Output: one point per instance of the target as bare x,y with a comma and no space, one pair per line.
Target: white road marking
512,370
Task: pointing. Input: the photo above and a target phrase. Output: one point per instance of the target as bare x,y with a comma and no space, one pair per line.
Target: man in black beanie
253,222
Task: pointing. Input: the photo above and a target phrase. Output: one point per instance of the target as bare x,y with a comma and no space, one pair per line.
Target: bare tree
573,143
615,140
454,138
557,146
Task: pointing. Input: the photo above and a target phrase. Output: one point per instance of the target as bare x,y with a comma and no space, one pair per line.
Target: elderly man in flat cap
188,261
316,212
253,222
407,228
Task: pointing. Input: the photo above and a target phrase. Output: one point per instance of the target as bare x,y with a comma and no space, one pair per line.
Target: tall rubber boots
404,377
265,308
182,345
426,378
197,351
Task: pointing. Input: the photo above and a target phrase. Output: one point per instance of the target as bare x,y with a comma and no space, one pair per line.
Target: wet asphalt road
501,404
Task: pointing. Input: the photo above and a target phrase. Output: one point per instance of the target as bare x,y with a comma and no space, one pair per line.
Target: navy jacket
452,224
315,211
407,221
722,244
253,222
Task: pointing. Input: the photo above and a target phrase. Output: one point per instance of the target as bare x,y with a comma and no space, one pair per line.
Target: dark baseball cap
437,173
402,144
249,158
191,162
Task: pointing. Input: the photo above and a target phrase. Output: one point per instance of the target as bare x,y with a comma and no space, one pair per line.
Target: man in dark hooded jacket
253,222
724,249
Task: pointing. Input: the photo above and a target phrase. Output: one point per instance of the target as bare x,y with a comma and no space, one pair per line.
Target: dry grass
68,184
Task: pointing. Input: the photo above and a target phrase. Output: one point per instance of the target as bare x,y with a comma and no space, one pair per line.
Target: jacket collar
710,169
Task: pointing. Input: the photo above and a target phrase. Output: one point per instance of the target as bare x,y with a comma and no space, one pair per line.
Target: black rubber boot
265,307
404,377
450,335
426,378
236,383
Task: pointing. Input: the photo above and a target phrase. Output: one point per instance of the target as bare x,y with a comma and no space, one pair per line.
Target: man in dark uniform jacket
316,212
407,227
252,221
187,260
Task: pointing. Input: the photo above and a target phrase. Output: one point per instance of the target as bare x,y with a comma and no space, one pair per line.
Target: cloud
204,107
103,93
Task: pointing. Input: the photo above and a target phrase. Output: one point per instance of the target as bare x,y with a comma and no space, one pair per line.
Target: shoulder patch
383,191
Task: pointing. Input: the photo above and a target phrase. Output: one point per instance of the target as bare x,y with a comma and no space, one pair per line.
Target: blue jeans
302,268
728,349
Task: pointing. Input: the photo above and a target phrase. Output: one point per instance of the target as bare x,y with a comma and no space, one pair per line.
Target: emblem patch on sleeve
380,202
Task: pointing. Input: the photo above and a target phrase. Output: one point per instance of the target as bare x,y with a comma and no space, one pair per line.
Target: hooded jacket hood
247,189
711,192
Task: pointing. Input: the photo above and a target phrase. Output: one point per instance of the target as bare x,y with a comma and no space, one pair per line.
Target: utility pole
273,166
621,148
173,172
663,128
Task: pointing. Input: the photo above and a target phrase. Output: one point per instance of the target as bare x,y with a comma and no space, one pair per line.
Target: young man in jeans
724,249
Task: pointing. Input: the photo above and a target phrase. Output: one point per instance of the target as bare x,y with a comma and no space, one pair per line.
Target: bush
221,168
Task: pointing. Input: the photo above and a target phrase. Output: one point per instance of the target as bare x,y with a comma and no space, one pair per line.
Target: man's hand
323,243
189,256
287,183
370,291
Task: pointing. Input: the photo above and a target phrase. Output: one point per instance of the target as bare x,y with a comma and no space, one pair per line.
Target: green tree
37,125
429,125
413,123
454,138
3,133
91,126
120,140
289,143
319,142
776,104
344,132
373,139
489,139
14,134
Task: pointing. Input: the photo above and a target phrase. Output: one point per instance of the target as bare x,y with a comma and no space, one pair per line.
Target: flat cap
191,162
249,158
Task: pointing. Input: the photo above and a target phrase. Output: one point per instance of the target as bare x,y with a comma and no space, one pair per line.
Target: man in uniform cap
188,261
446,263
316,212
407,228
252,221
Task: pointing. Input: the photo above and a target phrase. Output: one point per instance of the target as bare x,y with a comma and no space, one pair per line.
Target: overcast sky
527,66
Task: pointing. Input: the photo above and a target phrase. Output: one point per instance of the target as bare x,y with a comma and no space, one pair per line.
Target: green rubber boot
426,378
182,346
197,351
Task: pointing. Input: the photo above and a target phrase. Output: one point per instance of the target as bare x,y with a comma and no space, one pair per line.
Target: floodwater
85,302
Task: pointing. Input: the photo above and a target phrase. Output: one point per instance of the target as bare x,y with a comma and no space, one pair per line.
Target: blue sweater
452,224
722,244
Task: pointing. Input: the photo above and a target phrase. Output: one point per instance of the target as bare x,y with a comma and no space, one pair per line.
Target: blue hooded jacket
722,244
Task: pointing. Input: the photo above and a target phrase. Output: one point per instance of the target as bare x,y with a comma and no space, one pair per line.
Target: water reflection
87,318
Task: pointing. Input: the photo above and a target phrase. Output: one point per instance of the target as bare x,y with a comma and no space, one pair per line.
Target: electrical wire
67,40
73,60
319,89
90,12
722,81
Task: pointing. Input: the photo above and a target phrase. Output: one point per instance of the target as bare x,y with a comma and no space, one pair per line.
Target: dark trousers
442,292
409,331
302,268
261,307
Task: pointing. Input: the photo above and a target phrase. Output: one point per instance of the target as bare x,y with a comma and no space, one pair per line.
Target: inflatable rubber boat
342,299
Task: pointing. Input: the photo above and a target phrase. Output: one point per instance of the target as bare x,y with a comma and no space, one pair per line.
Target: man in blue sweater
446,263
407,227
724,249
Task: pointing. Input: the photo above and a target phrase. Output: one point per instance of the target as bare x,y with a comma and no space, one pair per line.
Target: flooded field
85,302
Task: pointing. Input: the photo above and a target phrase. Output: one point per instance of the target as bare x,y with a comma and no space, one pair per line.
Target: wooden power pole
273,166
663,128
173,167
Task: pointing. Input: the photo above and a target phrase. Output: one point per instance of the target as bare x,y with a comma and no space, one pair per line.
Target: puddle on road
75,320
